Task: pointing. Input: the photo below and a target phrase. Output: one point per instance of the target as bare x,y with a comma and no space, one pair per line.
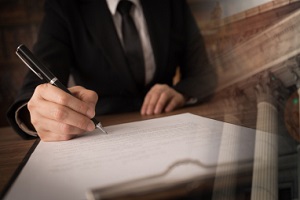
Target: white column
265,171
265,166
225,178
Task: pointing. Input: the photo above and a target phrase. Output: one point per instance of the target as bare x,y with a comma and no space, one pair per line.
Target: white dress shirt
139,20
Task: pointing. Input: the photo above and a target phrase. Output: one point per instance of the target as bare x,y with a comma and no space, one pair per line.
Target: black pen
44,73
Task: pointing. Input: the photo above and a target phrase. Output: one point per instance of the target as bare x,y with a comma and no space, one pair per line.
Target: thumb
88,96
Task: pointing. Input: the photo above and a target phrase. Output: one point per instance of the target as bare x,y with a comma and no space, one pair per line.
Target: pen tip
101,128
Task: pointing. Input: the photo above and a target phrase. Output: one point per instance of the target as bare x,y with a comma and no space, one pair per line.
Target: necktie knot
124,7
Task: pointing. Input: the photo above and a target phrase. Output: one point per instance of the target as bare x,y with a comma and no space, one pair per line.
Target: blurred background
19,22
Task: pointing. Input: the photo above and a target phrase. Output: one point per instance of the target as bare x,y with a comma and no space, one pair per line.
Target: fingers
161,98
58,96
57,115
174,103
50,130
84,94
62,114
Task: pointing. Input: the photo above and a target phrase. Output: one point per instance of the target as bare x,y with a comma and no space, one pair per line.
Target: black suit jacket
78,37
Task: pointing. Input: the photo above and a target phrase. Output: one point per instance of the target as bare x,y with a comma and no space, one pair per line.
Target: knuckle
30,105
164,95
38,91
78,87
85,109
153,95
162,101
159,88
62,99
148,97
66,129
159,85
66,137
59,114
39,88
93,95
156,87
82,108
35,122
164,88
83,124
156,93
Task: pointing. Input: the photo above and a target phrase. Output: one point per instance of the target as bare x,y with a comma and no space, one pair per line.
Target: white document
67,170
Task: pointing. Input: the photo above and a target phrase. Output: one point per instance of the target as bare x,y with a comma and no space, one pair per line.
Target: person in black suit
85,39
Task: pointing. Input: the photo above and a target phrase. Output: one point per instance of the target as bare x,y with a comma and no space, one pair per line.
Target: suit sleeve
53,48
198,76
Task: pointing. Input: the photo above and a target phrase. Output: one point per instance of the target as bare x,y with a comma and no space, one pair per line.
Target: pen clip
28,65
34,63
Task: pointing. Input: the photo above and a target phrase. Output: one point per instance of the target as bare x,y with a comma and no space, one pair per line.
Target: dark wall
19,23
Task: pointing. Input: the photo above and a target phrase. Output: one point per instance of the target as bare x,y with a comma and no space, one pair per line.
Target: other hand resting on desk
161,98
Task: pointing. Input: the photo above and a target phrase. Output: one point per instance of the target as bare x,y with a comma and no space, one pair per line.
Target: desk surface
12,151
13,148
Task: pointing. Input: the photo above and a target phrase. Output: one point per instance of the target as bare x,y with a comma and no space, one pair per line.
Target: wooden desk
13,148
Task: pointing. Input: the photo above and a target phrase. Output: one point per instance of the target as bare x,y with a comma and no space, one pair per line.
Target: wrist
22,117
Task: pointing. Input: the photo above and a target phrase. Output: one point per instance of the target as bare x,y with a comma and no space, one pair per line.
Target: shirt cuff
21,124
191,101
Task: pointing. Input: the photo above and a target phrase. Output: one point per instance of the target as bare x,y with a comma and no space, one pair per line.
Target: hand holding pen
56,112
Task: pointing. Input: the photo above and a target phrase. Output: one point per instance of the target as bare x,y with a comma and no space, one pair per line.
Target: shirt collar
113,4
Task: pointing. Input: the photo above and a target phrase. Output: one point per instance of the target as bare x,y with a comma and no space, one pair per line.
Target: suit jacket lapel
101,26
157,15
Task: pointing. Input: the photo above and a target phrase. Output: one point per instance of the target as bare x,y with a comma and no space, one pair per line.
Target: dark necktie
132,43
